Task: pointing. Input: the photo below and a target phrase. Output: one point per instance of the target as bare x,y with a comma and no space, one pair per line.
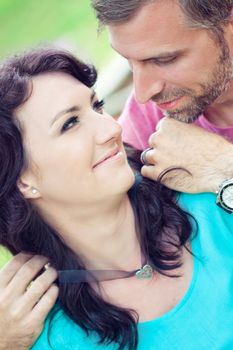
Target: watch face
227,196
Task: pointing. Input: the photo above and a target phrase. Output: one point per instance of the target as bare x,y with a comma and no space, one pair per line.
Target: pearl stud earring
34,190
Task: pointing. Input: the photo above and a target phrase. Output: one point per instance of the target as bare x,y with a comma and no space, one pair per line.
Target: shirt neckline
187,295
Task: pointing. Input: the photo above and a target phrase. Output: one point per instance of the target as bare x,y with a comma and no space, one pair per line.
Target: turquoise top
203,319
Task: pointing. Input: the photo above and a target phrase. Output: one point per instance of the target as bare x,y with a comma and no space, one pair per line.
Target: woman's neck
105,238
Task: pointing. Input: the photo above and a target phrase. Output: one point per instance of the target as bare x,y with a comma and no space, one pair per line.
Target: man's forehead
154,27
156,14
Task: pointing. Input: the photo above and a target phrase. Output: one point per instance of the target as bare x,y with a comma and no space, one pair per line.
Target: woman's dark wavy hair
163,228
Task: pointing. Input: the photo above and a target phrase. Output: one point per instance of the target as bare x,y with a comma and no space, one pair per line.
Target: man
180,53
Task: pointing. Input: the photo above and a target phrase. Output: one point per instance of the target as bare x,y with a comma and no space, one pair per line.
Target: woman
135,272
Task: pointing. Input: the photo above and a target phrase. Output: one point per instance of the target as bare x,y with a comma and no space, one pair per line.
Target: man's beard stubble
211,90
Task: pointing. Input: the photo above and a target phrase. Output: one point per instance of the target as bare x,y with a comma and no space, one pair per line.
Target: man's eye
165,60
69,124
98,106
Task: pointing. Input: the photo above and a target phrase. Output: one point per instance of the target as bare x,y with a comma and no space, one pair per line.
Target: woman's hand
25,305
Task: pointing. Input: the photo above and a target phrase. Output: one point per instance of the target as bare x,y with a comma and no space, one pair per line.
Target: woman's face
74,148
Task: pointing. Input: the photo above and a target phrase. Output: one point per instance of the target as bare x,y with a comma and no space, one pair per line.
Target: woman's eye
69,124
98,106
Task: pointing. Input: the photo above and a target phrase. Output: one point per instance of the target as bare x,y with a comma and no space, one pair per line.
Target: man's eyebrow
71,109
155,57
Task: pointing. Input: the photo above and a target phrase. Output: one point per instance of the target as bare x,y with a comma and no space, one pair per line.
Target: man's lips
108,156
169,104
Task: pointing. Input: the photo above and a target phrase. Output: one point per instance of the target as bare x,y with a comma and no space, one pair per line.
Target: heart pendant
145,272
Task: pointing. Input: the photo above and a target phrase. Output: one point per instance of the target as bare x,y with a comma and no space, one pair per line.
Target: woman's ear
27,189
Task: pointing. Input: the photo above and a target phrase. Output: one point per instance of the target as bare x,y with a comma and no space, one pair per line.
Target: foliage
72,23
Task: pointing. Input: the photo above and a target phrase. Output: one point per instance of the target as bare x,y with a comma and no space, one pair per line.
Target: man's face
180,68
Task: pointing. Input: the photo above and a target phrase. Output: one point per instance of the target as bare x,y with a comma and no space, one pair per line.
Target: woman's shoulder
200,202
61,333
207,213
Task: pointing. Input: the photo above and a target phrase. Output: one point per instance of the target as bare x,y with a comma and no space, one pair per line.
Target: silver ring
143,156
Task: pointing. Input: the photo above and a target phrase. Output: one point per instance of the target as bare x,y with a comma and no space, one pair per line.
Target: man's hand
24,305
207,157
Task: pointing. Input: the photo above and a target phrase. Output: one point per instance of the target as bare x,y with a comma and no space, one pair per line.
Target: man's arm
207,157
24,305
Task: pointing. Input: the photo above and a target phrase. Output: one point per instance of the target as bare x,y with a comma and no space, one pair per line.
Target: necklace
79,276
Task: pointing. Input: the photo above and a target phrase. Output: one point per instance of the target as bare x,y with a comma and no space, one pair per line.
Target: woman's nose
106,128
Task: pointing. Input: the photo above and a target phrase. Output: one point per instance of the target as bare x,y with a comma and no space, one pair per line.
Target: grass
26,23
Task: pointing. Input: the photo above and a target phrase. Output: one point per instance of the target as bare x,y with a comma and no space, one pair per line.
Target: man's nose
147,82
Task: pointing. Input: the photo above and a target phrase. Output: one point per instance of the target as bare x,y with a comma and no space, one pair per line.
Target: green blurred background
70,24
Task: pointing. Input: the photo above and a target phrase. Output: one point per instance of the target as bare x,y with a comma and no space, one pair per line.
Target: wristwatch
225,195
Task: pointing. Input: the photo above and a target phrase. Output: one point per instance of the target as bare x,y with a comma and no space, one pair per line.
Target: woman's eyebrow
64,111
71,109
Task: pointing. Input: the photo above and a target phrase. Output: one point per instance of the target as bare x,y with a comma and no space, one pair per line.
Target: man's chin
183,116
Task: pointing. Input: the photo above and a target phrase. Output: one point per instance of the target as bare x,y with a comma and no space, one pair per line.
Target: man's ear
228,32
230,19
27,188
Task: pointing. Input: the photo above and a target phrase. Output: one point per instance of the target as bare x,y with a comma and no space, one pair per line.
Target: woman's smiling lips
112,155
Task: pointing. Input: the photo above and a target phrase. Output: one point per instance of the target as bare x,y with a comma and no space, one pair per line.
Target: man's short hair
208,14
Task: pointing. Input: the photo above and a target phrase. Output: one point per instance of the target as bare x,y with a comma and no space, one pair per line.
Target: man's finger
25,275
45,304
150,171
8,271
151,156
38,289
160,123
148,157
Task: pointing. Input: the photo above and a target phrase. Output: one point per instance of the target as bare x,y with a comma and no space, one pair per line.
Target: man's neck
220,113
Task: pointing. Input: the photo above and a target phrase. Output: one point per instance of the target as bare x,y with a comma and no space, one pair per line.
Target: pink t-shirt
139,122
